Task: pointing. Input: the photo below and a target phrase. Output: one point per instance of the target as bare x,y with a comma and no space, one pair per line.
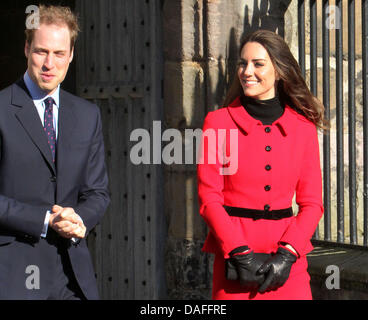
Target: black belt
259,214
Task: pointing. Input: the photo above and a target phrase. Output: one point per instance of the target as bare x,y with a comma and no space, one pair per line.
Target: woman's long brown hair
291,88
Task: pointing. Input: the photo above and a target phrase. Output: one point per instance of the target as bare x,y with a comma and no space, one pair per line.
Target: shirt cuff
45,224
76,241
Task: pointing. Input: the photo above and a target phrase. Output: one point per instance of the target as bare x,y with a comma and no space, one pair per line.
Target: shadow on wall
267,15
264,14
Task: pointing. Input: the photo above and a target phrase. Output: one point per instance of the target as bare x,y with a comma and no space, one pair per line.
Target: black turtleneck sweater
267,111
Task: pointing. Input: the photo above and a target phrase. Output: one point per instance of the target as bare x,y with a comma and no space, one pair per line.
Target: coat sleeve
308,198
19,217
94,196
210,191
22,218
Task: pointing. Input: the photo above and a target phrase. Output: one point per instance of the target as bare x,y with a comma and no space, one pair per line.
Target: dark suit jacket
30,184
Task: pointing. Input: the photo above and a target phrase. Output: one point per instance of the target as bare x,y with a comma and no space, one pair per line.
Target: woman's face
256,72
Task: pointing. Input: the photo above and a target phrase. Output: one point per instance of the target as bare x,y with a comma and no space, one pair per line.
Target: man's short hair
59,15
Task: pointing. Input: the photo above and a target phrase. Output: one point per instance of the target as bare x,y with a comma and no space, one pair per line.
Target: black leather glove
276,270
247,265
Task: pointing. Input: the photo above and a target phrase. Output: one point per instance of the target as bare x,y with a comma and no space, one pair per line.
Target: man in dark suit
53,181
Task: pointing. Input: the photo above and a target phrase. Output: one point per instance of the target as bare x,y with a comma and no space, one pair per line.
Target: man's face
49,56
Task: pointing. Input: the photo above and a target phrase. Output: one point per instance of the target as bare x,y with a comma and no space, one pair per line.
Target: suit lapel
27,115
66,125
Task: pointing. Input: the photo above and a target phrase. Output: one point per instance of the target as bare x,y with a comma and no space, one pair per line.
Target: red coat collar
241,117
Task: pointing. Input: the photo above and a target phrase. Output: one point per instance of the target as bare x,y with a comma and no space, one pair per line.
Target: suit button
268,129
267,188
28,237
53,179
268,167
267,207
268,148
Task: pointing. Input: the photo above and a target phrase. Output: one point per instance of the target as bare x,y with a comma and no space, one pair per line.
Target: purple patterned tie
48,125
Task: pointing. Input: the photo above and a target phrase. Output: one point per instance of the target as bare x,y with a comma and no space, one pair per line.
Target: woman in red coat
259,151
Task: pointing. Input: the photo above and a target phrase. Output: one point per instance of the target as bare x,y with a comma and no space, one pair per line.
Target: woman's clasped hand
254,273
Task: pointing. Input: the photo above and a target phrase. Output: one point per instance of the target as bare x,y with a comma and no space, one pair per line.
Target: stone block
184,95
182,30
182,211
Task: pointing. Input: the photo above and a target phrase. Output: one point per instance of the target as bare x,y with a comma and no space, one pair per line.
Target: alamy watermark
33,280
213,146
333,20
333,280
33,19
